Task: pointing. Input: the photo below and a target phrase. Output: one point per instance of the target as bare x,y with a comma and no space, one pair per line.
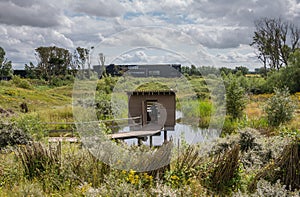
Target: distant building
20,73
144,70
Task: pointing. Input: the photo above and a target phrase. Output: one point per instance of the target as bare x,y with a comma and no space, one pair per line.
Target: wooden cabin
154,107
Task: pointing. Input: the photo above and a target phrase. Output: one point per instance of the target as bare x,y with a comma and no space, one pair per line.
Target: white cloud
31,13
19,42
99,8
223,27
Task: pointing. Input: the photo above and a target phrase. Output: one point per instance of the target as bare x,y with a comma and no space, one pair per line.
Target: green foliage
5,66
290,133
32,125
106,84
235,99
205,111
10,135
185,168
244,70
103,106
280,107
21,83
36,159
271,40
288,76
230,126
152,87
62,80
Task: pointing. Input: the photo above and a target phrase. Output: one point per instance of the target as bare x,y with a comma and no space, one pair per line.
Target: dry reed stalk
225,169
285,168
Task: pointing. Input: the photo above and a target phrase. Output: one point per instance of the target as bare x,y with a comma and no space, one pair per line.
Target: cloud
99,8
222,26
31,13
19,42
219,36
149,56
244,55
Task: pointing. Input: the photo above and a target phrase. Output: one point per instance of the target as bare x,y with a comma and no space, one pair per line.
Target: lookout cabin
156,108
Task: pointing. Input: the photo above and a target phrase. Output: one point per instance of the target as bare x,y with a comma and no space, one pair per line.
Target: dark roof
152,92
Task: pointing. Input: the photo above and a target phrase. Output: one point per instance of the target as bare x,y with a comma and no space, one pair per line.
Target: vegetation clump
284,168
10,135
235,99
280,107
224,173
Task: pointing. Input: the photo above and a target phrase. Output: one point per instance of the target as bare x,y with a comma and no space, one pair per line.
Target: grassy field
251,159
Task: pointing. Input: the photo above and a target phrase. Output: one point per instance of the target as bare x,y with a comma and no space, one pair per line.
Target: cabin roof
152,92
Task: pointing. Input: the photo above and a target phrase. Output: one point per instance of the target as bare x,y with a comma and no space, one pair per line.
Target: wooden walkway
63,139
141,133
146,131
133,134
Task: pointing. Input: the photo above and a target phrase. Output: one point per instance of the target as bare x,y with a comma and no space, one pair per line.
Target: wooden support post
165,135
151,142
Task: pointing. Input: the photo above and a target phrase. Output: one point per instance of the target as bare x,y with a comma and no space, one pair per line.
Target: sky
204,32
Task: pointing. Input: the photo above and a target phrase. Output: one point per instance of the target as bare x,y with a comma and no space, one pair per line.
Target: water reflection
182,134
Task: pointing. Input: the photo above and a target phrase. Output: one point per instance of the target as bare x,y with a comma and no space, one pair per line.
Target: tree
53,61
287,76
235,98
244,70
275,40
81,57
225,70
5,66
30,71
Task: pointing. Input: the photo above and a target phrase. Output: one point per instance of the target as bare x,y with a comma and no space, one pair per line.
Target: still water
182,133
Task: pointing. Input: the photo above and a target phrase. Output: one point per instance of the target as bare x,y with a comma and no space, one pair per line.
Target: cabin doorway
151,110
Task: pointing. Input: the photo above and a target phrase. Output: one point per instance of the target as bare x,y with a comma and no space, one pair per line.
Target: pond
182,133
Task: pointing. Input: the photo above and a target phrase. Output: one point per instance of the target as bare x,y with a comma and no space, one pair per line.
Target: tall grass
37,159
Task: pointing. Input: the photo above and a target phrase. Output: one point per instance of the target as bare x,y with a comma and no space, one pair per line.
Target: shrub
280,107
229,126
284,168
21,83
31,124
235,99
247,141
11,135
267,189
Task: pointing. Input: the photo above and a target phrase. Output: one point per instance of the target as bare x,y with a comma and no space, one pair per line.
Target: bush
229,126
10,135
280,107
235,99
31,124
21,83
284,168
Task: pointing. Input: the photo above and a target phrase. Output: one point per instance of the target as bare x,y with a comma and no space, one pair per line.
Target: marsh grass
284,168
184,168
37,159
224,173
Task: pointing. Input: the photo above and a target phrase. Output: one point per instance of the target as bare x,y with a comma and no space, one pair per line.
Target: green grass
75,172
11,97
